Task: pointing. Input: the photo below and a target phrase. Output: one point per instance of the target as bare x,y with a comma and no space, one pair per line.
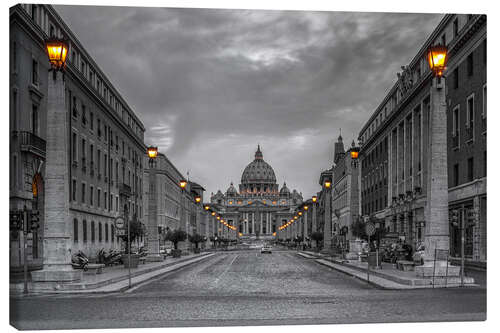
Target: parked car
266,249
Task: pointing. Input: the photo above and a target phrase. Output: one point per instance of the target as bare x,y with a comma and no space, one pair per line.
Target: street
248,288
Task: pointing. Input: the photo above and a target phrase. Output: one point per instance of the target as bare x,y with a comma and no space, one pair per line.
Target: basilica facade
259,206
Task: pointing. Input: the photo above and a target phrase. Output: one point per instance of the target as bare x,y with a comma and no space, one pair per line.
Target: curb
116,280
388,283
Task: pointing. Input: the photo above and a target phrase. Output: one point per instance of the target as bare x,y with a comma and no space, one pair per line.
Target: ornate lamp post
327,228
56,236
153,236
314,227
436,226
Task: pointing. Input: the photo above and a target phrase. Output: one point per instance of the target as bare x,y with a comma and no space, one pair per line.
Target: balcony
125,190
31,143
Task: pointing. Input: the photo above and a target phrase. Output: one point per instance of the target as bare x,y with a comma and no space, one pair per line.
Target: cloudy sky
210,84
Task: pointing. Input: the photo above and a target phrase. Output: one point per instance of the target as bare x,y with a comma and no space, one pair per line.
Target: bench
405,265
94,269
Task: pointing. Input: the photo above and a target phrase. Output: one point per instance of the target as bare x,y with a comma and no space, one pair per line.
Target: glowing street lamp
437,56
306,207
354,154
300,213
183,183
314,198
197,199
328,184
152,152
213,213
207,207
57,50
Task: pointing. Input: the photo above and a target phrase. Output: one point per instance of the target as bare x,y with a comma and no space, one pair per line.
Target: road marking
225,271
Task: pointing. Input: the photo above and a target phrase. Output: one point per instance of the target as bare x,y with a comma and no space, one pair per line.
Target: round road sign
370,229
119,222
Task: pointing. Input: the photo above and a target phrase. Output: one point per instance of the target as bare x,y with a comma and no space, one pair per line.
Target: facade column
313,226
436,226
305,224
327,233
413,145
389,169
57,222
253,222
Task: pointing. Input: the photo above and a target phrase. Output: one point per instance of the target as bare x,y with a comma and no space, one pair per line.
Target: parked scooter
80,261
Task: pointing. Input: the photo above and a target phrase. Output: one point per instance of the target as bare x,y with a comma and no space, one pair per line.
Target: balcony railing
32,143
125,189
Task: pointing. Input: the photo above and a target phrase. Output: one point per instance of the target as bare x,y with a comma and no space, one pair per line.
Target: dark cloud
210,84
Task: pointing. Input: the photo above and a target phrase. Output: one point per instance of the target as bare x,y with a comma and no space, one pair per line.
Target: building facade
172,207
106,138
394,158
345,193
260,206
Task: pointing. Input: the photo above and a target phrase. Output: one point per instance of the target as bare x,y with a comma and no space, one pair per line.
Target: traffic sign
119,222
121,232
370,229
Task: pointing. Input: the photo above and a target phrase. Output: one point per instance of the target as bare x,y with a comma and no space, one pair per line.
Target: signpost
121,231
370,231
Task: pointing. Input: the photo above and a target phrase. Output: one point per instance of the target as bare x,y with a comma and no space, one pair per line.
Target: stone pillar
57,221
152,224
327,231
306,231
436,226
313,226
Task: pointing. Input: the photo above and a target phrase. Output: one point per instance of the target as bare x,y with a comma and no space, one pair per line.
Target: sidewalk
388,277
112,279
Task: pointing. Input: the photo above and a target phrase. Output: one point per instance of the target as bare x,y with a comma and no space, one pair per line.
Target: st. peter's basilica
260,206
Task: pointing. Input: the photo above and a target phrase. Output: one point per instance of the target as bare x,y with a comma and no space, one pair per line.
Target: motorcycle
80,261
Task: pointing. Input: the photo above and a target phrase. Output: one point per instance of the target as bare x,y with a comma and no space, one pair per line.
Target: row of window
469,118
470,176
40,17
374,206
109,232
84,199
470,66
107,133
373,156
416,74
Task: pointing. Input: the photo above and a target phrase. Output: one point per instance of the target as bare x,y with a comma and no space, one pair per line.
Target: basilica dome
258,171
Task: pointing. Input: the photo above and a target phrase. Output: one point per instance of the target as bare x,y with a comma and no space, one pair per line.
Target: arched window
100,232
75,230
84,227
106,233
92,231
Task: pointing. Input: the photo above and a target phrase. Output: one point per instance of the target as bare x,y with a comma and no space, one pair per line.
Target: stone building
106,138
172,206
260,206
345,193
394,158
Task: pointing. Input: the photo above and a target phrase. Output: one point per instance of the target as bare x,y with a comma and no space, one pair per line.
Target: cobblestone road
249,288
